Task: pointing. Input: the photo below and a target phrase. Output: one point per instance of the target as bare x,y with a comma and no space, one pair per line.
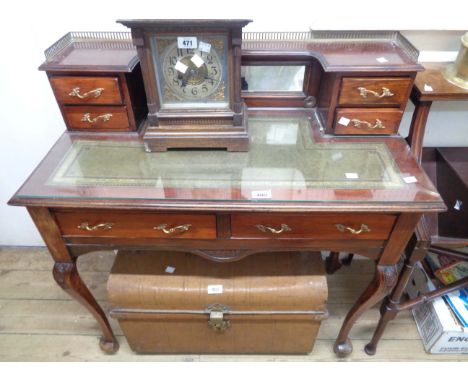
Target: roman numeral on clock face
192,74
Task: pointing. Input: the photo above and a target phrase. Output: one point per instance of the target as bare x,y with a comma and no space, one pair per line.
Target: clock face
191,71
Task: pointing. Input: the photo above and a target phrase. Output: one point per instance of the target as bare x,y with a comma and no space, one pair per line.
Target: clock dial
192,76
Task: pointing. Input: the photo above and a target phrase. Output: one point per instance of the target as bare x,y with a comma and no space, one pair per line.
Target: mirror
271,78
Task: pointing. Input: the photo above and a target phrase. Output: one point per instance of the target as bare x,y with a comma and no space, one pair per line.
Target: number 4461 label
263,194
187,42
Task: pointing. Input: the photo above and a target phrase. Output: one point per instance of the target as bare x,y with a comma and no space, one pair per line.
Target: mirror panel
272,78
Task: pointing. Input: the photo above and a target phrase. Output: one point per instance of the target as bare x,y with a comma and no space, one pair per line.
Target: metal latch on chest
217,321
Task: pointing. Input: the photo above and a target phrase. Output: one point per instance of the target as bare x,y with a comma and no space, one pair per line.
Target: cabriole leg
67,276
332,262
384,280
388,310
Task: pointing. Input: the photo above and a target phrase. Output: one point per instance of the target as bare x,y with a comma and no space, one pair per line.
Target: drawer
323,226
96,117
367,121
87,90
136,225
374,91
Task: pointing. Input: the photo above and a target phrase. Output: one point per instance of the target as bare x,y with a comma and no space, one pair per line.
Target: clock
191,73
192,77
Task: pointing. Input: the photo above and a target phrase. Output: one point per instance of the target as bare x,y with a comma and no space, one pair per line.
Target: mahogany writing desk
294,190
326,169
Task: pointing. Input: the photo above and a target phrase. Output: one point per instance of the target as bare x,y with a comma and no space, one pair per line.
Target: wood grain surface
118,118
137,225
350,92
63,86
321,226
390,121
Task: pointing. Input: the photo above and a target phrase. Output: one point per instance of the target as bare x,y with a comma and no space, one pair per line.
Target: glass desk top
288,161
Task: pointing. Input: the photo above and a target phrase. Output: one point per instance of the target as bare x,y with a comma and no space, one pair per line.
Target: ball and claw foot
343,349
370,349
108,347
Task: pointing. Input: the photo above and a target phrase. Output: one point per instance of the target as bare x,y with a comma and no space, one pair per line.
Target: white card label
169,269
410,179
215,289
197,60
186,42
264,194
428,88
344,121
458,205
337,156
204,47
382,60
352,175
180,67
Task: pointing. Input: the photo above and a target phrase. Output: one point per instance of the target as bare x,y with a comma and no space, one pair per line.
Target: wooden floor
39,322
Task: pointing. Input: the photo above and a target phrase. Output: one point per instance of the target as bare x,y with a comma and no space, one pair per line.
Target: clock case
217,127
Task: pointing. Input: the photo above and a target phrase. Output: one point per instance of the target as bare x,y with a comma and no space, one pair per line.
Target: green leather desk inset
294,190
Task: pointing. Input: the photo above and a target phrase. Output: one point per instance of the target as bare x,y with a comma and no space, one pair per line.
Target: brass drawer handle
358,123
265,228
179,228
104,117
95,92
386,92
85,226
344,228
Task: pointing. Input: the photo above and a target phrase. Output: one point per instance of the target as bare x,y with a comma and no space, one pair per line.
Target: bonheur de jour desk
306,183
294,190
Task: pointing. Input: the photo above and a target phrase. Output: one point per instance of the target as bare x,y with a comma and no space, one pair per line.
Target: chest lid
269,283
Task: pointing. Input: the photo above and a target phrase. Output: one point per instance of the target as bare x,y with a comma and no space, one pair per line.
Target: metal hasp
217,321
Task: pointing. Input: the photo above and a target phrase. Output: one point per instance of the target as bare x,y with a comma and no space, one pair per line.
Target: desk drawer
87,90
367,121
96,117
267,226
136,225
374,91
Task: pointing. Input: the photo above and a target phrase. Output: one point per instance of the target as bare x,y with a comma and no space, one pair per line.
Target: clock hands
184,78
211,78
192,74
